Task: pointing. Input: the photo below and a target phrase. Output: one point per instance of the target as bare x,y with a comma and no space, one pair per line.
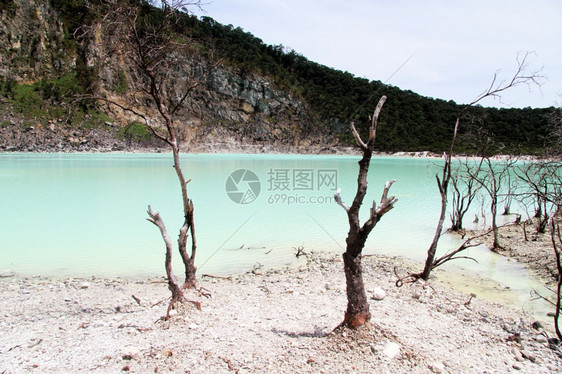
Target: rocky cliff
32,41
233,109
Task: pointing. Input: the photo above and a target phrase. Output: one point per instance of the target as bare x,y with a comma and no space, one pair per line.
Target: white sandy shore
277,322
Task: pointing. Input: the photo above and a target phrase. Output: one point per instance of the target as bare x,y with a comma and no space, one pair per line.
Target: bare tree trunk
557,246
507,209
357,312
433,247
544,217
458,211
173,284
188,261
171,139
494,210
443,185
509,195
188,225
492,183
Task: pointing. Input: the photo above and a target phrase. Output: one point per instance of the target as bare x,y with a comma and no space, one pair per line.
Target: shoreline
336,151
244,150
249,149
278,320
455,276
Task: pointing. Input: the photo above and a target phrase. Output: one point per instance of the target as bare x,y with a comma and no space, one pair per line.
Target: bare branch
372,129
129,109
157,134
173,284
374,123
387,203
186,94
521,76
339,200
357,137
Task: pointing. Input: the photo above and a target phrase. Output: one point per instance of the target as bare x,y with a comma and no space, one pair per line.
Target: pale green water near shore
85,214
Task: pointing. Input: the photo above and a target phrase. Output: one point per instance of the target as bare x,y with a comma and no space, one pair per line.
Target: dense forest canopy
411,122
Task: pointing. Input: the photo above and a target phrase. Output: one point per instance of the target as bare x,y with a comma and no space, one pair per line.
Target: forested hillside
274,95
410,121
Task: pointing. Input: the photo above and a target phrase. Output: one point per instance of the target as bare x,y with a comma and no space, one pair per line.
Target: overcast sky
451,49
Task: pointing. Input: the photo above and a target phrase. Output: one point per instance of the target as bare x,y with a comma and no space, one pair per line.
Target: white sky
456,46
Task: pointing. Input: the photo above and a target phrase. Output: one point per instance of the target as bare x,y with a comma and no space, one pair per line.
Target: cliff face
231,108
31,41
249,109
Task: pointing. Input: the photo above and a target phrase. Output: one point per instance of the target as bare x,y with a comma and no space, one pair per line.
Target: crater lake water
85,215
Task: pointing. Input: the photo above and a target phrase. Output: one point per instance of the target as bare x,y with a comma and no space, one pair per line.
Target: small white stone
379,293
541,339
99,324
173,312
437,367
85,285
131,351
391,350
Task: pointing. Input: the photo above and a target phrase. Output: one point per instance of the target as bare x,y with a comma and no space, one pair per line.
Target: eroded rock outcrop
230,108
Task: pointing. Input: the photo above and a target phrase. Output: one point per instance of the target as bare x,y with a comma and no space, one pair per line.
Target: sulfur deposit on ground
280,321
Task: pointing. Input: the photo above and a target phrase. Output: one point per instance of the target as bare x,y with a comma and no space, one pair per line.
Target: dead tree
492,178
509,194
556,240
464,192
449,256
542,183
357,313
556,237
146,38
543,180
535,179
555,199
521,76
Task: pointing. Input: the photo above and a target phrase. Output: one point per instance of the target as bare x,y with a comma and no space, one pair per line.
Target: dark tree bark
357,312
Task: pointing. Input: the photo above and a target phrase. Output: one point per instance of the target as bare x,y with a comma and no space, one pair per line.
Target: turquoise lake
85,214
